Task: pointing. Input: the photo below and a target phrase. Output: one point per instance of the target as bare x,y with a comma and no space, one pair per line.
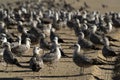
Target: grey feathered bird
21,49
53,56
53,35
84,43
8,56
84,61
108,51
45,45
36,62
95,38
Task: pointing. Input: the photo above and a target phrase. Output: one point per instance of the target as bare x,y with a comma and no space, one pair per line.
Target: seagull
34,39
45,45
21,49
3,39
83,61
8,56
55,41
53,56
17,42
20,26
53,35
107,28
47,28
2,26
84,43
36,62
95,38
1,54
10,36
107,51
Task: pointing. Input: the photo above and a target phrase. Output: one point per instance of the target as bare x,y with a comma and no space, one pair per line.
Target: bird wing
8,56
82,59
49,57
85,43
19,49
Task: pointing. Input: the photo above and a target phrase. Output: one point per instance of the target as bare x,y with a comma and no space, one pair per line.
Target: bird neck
94,28
81,37
35,52
58,52
28,44
56,42
19,42
8,48
109,26
77,50
4,39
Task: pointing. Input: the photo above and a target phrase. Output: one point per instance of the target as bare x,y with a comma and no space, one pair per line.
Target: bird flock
35,26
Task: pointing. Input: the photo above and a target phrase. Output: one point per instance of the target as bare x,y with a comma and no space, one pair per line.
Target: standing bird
53,35
8,56
36,62
84,43
20,26
21,49
45,45
56,41
83,61
2,27
25,34
107,51
95,38
53,56
47,28
3,39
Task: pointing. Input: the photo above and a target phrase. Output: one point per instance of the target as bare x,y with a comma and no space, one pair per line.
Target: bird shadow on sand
56,76
11,79
22,71
16,71
61,76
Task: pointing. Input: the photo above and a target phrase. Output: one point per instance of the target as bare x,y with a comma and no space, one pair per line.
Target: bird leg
107,71
33,75
49,65
39,77
5,70
12,68
3,63
81,70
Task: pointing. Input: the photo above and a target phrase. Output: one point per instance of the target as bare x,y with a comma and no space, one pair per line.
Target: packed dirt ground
65,69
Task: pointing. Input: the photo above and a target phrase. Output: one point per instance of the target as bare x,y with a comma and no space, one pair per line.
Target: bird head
42,36
36,50
106,41
55,40
75,46
81,35
28,41
6,45
20,23
3,35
